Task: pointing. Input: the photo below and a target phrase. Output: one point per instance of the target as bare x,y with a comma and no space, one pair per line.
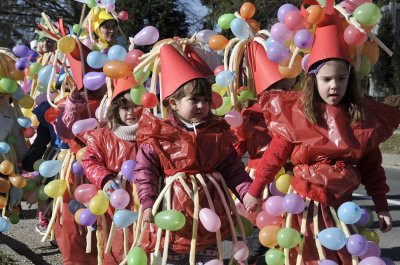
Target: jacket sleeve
374,179
147,172
235,175
71,113
271,162
94,162
241,144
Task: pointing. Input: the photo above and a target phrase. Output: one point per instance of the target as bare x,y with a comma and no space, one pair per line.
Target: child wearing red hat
193,154
332,135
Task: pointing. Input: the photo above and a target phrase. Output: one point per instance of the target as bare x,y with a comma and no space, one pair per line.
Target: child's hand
385,221
250,202
147,216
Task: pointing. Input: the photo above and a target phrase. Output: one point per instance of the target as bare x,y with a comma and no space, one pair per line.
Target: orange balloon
77,214
254,25
3,202
218,42
80,154
6,167
17,75
247,10
294,71
17,181
4,185
315,14
371,50
117,69
267,235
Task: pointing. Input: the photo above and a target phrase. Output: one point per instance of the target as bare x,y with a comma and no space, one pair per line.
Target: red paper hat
123,84
265,72
175,70
196,61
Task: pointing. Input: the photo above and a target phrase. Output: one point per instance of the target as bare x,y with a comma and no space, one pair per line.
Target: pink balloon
294,20
204,35
147,36
84,192
84,125
132,57
240,251
372,261
210,220
304,62
100,114
264,219
373,250
280,32
123,15
353,36
218,69
214,262
273,205
234,118
87,43
119,199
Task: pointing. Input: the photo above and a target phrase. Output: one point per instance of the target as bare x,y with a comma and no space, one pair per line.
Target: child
191,141
332,135
107,148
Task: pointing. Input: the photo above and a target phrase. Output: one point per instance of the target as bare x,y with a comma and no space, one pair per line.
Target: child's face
191,108
127,113
108,31
332,80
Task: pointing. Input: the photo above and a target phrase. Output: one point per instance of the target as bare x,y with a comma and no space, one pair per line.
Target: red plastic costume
331,160
167,148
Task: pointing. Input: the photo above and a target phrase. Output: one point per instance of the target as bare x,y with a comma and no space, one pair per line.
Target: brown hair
113,117
352,98
195,87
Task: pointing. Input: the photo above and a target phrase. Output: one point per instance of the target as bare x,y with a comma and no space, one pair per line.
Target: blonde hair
7,61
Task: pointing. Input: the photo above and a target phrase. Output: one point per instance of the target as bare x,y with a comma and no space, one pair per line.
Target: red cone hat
198,63
175,70
123,84
265,72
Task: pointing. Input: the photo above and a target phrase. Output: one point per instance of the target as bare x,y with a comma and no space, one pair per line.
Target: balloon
224,78
273,205
96,59
74,206
277,52
332,238
4,148
218,42
315,14
117,69
226,106
21,50
127,169
30,185
50,168
280,32
77,169
7,85
24,122
365,218
293,203
141,77
327,262
86,218
240,251
387,261
247,10
117,53
372,250
44,74
353,36
18,93
304,62
367,14
11,139
137,256
283,183
6,167
356,245
27,102
137,93
5,225
247,225
254,25
365,67
98,205
76,28
77,215
149,100
94,80
303,39
264,219
147,36
294,20
210,220
220,90
4,185
55,188
204,35
123,15
240,28
85,192
371,50
245,95
80,154
17,181
216,100
349,213
234,118
284,10
288,237
14,219
171,220
224,21
214,262
119,199
268,234
372,261
66,44
42,196
132,58
124,218
85,125
274,257
22,63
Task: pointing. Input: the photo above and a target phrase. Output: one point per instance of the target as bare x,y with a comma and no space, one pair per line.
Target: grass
5,260
392,145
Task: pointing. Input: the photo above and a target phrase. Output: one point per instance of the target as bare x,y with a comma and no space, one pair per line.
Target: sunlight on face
108,31
127,112
191,108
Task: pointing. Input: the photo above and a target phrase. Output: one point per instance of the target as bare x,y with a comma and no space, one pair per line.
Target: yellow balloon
77,214
80,154
370,235
280,172
98,205
27,112
26,102
66,44
35,121
219,90
61,155
55,188
283,183
6,167
3,202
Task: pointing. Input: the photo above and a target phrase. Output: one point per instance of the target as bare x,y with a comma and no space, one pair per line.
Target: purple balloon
87,218
78,169
33,55
372,261
22,63
127,169
119,199
94,80
204,35
293,203
273,205
147,36
278,52
280,32
21,51
303,39
357,245
327,262
373,250
365,218
274,191
387,261
283,10
85,125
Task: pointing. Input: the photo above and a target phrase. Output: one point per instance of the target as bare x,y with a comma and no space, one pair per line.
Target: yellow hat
99,18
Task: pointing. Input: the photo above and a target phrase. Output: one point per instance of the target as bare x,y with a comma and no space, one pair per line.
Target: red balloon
216,100
132,57
28,132
218,69
149,100
123,15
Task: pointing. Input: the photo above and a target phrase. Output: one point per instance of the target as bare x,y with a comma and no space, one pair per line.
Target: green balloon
248,226
42,196
171,220
140,77
274,257
37,164
225,107
42,88
7,85
35,68
365,67
76,28
14,219
369,235
92,3
30,185
288,237
137,93
367,14
137,256
224,21
11,139
245,95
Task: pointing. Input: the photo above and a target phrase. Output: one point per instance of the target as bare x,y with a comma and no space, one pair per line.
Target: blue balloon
74,206
124,218
349,213
44,74
332,238
5,224
268,42
327,262
50,168
117,53
15,196
96,59
18,93
24,122
4,148
224,78
240,28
